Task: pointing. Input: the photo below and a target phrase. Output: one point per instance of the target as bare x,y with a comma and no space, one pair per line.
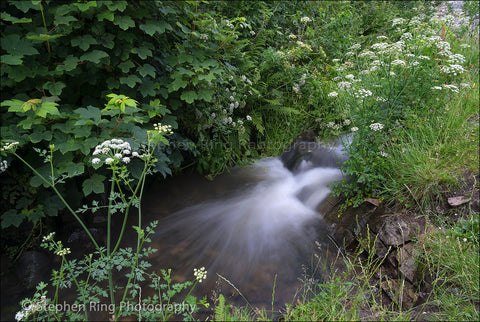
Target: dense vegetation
228,82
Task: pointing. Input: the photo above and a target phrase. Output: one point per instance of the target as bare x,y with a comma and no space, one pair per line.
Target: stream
257,230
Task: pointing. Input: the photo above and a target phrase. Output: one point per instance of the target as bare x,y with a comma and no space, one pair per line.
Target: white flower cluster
344,85
63,252
363,93
332,94
200,274
398,62
406,36
305,19
292,36
163,129
376,126
204,37
48,237
368,54
31,308
8,146
252,32
304,45
379,46
355,46
3,166
456,59
398,21
454,69
115,150
296,87
451,87
354,129
334,126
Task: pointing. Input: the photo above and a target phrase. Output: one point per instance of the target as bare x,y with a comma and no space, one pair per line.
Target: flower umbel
200,274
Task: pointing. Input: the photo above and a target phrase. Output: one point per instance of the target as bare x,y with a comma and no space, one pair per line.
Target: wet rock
392,230
407,262
457,201
33,267
316,154
400,292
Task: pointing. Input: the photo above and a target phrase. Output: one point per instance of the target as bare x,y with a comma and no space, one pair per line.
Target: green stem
64,202
82,291
144,173
61,273
46,30
109,228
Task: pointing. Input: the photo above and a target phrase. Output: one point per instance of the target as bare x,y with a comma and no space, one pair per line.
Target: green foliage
385,90
88,275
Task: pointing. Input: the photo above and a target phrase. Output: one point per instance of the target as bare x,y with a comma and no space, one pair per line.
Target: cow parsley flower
354,129
63,252
333,94
363,93
376,126
305,19
3,166
8,146
200,274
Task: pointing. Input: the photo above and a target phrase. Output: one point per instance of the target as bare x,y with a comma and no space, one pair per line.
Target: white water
266,227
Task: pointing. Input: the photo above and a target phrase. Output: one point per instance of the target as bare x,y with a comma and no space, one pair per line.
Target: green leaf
89,115
12,218
147,88
17,73
83,42
189,96
130,80
117,5
47,108
150,28
94,184
94,56
82,131
177,84
13,105
25,5
16,46
44,37
69,64
185,58
85,6
109,15
208,77
11,60
205,94
54,88
70,145
64,20
146,69
124,22
38,136
106,40
142,52
7,17
126,65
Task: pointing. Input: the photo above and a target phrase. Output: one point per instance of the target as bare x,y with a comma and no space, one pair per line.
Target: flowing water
258,226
